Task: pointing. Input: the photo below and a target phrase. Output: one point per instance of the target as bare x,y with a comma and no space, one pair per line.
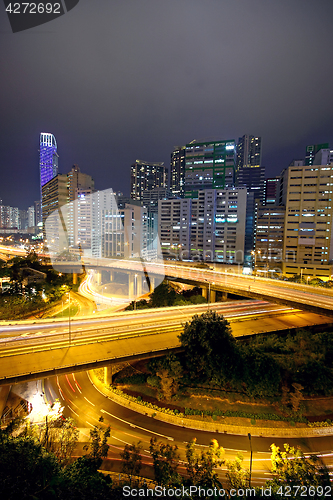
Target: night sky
119,80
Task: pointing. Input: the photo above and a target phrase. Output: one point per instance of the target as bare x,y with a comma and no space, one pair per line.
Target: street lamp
69,316
135,288
249,436
254,253
302,273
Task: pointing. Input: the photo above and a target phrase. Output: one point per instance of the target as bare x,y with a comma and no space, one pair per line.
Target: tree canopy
210,348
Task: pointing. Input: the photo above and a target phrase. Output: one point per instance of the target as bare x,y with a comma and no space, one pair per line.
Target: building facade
177,172
210,227
117,232
80,188
54,196
209,165
268,251
48,158
146,176
312,150
9,217
307,195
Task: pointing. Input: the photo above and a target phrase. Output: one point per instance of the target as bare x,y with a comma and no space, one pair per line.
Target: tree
98,445
163,295
82,481
62,438
170,371
132,461
201,467
237,476
27,469
210,348
292,468
165,463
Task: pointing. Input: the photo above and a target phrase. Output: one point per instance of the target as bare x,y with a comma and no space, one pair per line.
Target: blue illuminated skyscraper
48,158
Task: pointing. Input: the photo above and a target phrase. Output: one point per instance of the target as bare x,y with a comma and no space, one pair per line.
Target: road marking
70,385
73,411
113,437
137,426
89,401
90,423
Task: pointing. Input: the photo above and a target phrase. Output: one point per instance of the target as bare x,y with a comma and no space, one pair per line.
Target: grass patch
65,313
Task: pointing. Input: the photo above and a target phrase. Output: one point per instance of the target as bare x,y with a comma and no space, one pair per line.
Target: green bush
136,379
154,381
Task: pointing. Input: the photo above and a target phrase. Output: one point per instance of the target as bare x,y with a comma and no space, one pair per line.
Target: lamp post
69,316
249,436
302,273
135,288
254,253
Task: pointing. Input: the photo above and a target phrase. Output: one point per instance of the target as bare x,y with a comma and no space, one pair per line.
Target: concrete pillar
131,286
224,296
74,278
98,277
108,372
105,276
111,275
204,291
152,284
139,286
212,295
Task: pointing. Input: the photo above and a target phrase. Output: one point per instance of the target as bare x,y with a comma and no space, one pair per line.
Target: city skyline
115,84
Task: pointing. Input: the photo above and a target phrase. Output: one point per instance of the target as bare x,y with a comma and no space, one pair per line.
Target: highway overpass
32,351
305,297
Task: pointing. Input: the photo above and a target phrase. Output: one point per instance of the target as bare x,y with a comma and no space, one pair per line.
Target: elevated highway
32,351
305,297
308,298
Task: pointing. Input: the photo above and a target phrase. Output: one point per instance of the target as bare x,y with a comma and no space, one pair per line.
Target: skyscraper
147,176
177,172
312,150
251,174
209,165
248,151
48,159
308,233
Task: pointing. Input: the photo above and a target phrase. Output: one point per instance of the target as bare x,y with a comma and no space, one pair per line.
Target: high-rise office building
248,151
80,187
312,150
249,171
251,174
269,240
308,235
209,165
117,232
9,217
177,172
271,191
55,196
210,227
31,216
48,158
38,212
323,157
147,176
23,220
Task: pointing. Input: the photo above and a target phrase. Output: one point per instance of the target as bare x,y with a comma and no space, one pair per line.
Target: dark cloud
120,80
